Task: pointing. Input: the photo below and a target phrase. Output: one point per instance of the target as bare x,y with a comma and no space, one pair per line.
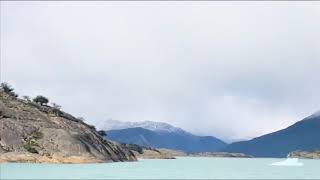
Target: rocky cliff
33,133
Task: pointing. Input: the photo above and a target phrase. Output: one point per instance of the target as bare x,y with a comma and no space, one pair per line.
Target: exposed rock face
34,133
220,154
142,152
151,153
305,154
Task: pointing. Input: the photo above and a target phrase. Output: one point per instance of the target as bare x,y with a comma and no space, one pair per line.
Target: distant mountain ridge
304,135
164,139
160,135
150,125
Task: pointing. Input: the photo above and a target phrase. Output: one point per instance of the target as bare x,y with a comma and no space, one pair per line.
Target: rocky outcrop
153,154
305,154
220,154
33,133
162,153
142,152
150,153
172,152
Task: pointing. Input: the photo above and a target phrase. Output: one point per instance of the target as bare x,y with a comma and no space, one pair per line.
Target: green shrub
41,100
134,147
102,133
56,109
81,119
32,142
56,106
29,147
92,127
5,87
26,98
37,135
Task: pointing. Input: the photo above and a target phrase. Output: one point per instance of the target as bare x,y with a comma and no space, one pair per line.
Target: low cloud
230,69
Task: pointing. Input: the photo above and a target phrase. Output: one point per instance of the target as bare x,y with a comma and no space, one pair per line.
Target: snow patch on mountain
150,125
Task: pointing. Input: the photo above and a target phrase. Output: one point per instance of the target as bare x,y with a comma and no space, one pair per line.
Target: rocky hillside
33,133
305,154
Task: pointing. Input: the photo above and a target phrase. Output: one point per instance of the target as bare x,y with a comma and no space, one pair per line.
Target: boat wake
288,162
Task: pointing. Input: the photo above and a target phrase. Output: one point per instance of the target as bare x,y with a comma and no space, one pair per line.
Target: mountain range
160,135
303,135
150,125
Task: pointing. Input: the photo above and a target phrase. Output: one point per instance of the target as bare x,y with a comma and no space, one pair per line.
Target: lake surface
180,168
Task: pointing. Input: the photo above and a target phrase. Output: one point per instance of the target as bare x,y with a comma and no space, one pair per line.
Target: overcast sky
234,70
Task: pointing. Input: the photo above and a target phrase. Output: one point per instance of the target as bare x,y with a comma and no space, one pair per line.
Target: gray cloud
230,69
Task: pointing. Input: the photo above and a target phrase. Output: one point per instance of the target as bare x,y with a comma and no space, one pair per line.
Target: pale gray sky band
230,69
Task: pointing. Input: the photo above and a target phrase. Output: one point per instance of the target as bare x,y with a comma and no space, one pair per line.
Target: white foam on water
288,162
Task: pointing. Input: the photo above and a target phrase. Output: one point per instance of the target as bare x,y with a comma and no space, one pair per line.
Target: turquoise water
180,168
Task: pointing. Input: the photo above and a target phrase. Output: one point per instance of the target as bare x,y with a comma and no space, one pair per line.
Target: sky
234,70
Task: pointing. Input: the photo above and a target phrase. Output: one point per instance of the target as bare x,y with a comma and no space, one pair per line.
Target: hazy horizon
234,70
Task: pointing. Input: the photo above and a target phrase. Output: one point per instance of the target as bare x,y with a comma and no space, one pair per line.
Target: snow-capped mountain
150,125
158,135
